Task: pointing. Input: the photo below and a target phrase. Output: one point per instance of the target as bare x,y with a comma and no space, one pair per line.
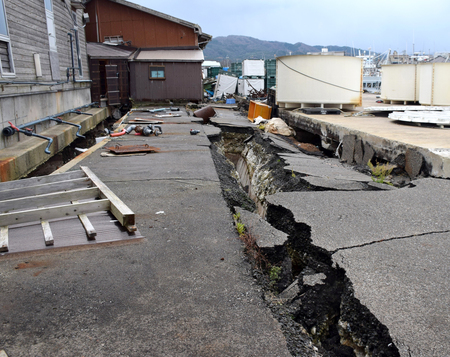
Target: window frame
7,40
150,66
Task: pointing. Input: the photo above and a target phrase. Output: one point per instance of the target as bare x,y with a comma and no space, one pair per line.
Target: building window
6,60
157,72
50,24
116,40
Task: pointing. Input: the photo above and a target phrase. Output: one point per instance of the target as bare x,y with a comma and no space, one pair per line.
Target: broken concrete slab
392,246
266,236
404,284
346,219
413,163
325,168
211,131
369,153
231,118
280,143
290,292
348,148
334,184
359,152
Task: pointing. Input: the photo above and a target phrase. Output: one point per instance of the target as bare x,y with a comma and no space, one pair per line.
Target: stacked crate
253,74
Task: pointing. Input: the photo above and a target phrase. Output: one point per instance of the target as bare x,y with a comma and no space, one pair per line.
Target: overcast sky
379,24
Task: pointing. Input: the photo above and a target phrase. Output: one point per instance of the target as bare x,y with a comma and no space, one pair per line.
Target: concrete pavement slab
346,219
404,283
393,247
325,168
184,290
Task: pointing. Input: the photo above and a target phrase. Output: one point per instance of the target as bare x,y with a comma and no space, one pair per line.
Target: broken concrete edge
325,303
266,235
22,158
433,164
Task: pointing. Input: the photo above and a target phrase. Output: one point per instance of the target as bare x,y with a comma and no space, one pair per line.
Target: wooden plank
119,209
81,157
7,219
88,227
46,188
40,180
48,235
48,199
4,239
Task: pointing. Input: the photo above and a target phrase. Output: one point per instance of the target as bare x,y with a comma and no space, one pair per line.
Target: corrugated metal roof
171,56
100,50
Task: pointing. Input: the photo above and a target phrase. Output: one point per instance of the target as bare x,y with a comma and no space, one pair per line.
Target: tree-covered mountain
238,48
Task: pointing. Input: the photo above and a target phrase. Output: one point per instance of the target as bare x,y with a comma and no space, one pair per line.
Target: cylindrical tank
400,82
434,83
327,81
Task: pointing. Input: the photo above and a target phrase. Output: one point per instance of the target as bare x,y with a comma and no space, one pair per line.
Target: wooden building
109,73
41,43
167,65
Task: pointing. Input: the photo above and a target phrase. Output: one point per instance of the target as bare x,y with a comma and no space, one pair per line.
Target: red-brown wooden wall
142,29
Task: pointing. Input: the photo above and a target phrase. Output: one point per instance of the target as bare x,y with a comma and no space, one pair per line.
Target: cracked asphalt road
393,246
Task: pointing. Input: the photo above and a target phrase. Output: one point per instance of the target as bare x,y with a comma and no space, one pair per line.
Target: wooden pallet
75,193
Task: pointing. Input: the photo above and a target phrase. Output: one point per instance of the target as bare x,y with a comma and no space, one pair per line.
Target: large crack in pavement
344,282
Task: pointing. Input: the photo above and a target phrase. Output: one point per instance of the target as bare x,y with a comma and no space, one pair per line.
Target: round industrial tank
434,83
325,81
400,83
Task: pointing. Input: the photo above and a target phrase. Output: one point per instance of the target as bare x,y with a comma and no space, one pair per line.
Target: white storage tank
434,83
400,83
319,81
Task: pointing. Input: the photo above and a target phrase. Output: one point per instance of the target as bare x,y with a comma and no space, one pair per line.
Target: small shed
167,74
108,65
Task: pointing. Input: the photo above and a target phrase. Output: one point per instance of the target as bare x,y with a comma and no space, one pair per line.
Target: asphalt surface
393,245
184,290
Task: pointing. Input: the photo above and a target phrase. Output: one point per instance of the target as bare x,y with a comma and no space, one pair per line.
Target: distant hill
239,48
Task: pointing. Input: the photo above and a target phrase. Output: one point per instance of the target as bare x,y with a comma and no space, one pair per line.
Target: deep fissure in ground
320,319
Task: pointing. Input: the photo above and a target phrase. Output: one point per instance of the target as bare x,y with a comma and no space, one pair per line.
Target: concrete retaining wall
23,108
23,157
359,147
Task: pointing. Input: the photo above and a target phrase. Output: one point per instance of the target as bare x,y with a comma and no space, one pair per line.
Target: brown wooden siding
142,29
183,82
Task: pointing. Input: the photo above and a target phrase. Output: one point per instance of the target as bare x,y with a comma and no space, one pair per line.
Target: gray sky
379,24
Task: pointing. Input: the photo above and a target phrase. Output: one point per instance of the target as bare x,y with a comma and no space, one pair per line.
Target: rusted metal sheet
127,149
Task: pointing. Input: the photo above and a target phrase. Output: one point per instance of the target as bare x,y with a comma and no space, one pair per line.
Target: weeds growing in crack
380,172
251,247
